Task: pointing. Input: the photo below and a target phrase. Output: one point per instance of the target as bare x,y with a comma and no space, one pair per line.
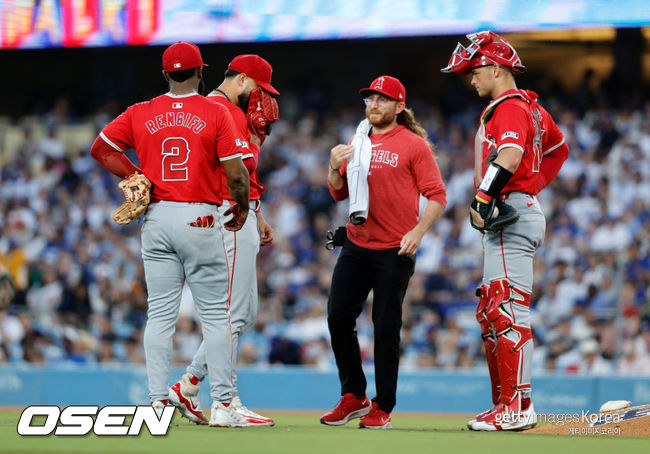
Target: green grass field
302,433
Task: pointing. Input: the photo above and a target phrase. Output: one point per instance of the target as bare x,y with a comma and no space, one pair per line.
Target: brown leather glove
136,189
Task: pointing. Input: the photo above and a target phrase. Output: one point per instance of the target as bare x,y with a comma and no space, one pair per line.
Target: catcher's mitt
495,216
263,110
7,290
136,189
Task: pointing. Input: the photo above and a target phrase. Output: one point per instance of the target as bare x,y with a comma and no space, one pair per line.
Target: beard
384,119
243,100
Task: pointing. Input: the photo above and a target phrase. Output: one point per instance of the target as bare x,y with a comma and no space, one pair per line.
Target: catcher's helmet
486,48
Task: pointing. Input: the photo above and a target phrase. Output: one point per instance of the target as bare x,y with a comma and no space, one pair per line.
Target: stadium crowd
81,295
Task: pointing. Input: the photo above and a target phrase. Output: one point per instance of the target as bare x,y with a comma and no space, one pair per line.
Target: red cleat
375,419
347,408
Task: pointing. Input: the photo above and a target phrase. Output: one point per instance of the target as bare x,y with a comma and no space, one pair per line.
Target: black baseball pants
357,271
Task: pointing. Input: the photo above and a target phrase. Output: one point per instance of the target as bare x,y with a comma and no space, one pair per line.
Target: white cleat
252,419
185,396
159,407
482,416
222,416
504,420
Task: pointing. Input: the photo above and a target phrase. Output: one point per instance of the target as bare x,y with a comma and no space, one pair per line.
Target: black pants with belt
357,271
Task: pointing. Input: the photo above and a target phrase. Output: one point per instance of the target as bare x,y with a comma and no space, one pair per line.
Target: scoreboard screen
88,23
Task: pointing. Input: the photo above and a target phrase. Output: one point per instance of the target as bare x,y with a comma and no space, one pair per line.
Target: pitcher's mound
628,422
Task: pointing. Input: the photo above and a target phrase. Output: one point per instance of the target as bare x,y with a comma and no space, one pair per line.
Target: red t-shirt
251,153
515,119
402,167
179,141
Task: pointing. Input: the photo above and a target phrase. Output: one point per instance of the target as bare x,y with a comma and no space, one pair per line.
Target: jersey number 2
175,151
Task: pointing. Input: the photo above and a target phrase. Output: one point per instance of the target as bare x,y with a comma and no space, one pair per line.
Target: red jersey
515,119
251,151
179,140
402,167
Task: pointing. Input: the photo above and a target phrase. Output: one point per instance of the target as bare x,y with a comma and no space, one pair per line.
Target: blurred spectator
592,362
80,288
636,358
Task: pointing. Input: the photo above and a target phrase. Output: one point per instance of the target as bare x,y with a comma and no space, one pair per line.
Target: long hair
407,118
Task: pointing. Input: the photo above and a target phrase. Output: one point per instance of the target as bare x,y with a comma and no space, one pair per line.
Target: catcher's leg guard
489,341
508,312
490,345
514,340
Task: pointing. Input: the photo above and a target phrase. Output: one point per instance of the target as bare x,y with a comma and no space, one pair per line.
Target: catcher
518,150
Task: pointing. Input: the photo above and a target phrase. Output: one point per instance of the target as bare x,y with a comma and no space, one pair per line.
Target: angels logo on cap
386,85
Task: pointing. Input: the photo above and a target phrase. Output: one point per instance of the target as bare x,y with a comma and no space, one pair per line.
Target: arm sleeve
228,146
555,152
427,175
112,160
119,133
510,125
342,193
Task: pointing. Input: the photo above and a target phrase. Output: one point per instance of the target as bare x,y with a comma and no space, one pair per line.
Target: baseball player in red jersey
182,141
520,150
379,253
245,74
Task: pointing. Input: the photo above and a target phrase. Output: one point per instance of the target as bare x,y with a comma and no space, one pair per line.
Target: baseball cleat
159,406
502,419
347,408
185,396
222,415
252,419
375,419
482,416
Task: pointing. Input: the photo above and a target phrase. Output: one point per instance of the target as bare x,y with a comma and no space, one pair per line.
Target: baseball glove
136,189
7,290
263,110
496,215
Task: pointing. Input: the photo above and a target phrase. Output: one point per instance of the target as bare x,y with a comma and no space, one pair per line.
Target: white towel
358,167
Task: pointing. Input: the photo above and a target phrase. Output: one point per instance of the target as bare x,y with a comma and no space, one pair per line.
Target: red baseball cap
181,56
387,85
256,68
